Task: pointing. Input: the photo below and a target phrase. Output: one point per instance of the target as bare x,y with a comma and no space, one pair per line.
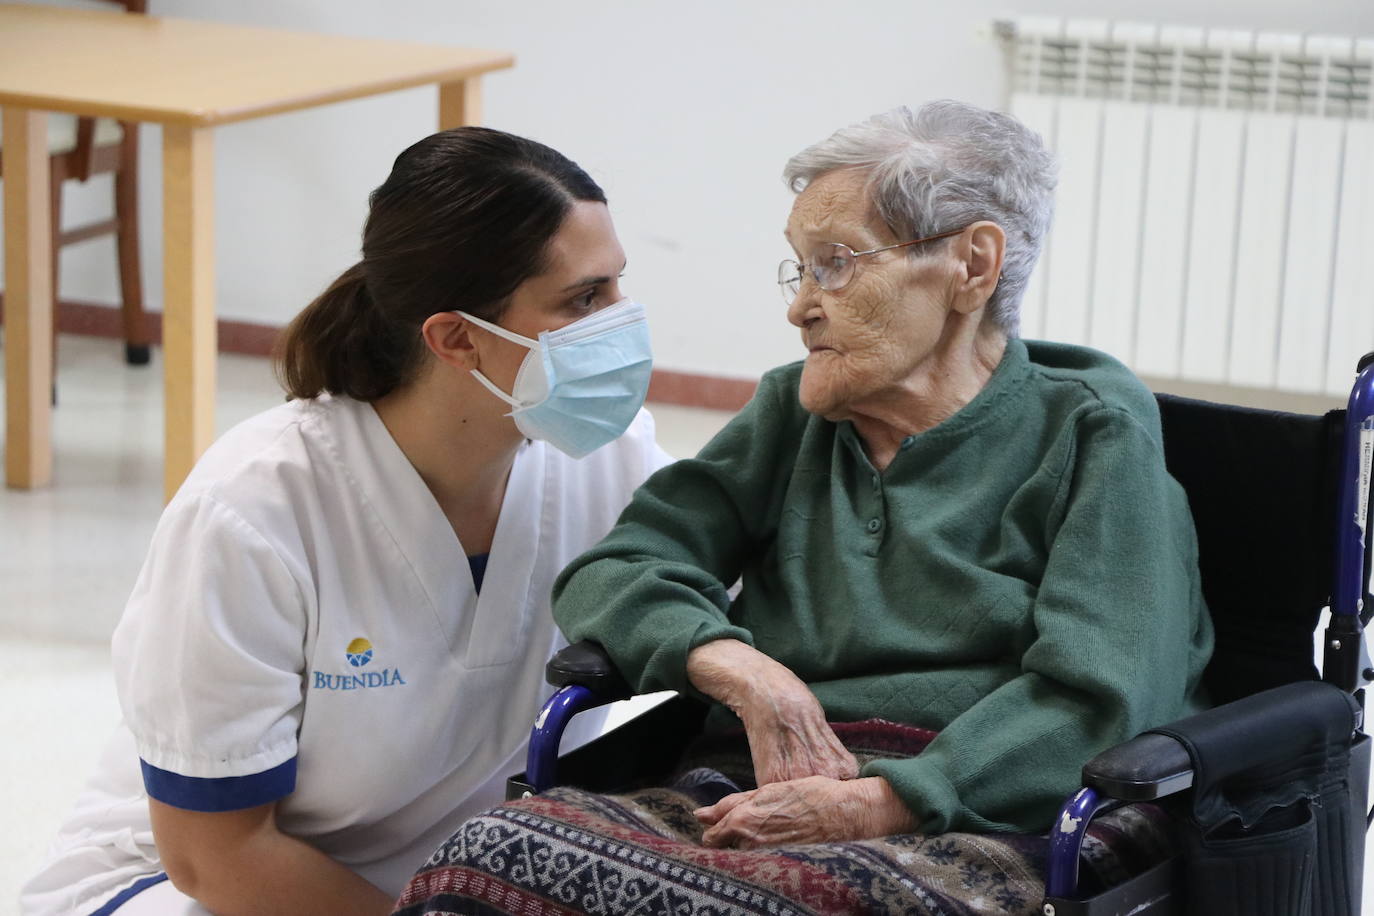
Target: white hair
943,167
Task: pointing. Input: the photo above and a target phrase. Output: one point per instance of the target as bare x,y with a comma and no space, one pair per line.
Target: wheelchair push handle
1346,661
1350,587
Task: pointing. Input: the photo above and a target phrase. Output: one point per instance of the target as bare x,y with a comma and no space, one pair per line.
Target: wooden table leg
188,323
28,300
460,103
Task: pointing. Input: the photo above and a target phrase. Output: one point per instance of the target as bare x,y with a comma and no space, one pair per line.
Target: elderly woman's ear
979,251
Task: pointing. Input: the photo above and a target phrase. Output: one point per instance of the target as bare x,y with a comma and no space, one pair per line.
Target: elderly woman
934,523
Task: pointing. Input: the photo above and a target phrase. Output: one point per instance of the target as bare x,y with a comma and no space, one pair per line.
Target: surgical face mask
581,385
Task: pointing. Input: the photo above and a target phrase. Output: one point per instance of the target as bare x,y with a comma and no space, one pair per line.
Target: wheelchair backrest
1262,487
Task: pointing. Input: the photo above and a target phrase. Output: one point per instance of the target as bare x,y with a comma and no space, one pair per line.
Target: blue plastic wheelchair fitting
1349,589
541,767
1066,840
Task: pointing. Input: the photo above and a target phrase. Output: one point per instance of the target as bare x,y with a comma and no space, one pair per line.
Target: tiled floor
68,558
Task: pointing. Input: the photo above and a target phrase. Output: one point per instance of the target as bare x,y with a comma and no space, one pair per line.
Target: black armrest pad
586,664
1145,768
1266,732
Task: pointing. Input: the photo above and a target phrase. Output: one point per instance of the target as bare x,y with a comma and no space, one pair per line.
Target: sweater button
874,525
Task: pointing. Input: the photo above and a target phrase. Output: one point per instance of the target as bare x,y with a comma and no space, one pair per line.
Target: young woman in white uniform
334,651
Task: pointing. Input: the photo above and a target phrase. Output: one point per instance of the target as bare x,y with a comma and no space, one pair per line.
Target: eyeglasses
833,265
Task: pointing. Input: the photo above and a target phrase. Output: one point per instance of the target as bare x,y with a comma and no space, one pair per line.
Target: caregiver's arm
217,603
1121,637
235,862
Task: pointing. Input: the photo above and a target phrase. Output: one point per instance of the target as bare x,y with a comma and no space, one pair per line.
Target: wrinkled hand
816,809
789,737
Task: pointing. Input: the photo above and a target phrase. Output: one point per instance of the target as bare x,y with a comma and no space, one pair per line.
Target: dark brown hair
464,218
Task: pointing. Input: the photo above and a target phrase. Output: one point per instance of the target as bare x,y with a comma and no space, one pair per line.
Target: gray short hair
946,166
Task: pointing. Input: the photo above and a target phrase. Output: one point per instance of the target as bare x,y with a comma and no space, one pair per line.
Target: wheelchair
1269,787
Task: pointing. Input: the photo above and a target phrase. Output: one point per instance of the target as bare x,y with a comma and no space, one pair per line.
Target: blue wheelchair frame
1346,665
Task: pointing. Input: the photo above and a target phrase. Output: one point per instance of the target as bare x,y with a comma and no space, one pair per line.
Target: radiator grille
1215,215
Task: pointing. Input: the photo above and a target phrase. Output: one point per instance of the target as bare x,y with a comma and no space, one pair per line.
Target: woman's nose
806,307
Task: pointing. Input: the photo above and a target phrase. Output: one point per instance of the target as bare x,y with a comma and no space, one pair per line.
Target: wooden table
189,77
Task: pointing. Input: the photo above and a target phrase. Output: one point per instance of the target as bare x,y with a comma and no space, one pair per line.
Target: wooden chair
80,148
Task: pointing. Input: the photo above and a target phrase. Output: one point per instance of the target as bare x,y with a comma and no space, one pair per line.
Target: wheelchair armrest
1146,768
585,677
586,664
1239,737
1202,752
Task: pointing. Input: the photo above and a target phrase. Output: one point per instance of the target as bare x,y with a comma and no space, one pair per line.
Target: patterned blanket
570,851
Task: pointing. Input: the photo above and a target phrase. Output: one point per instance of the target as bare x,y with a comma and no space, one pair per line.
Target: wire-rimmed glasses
833,265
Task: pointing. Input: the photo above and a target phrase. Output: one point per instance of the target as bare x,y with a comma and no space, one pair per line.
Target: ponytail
342,343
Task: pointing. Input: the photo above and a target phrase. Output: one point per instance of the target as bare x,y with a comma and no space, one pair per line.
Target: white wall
685,112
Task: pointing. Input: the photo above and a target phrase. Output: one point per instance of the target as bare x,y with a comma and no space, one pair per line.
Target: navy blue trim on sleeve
227,793
124,896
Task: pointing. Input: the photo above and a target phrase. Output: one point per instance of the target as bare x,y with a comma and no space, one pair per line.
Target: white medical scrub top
306,630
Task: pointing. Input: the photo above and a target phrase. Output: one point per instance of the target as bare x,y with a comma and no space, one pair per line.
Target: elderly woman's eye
828,268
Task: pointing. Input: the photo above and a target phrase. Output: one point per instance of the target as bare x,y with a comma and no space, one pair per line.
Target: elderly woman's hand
789,737
811,810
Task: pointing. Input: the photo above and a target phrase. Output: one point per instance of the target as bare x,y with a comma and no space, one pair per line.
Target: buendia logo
358,653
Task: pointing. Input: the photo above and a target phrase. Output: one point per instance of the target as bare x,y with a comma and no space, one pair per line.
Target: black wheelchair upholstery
1280,754
1262,489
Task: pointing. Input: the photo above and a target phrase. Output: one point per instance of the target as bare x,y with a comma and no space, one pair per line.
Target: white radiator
1215,212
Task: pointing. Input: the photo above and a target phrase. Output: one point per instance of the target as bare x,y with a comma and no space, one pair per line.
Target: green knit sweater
1022,578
